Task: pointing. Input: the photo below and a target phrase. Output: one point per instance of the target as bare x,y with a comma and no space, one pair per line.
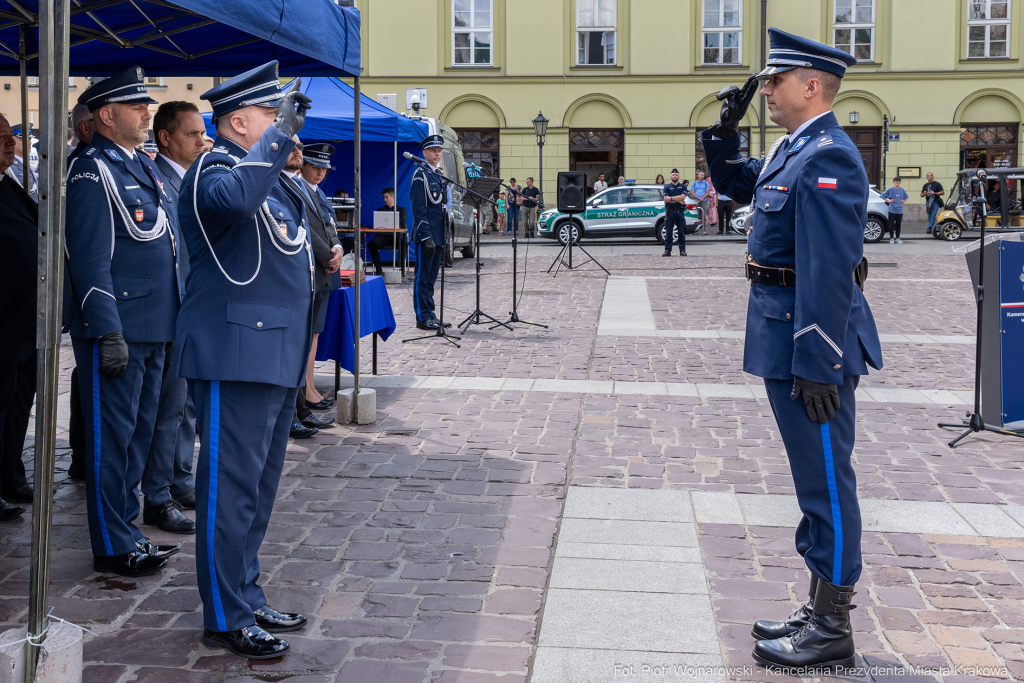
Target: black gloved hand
113,354
734,106
820,400
429,247
290,118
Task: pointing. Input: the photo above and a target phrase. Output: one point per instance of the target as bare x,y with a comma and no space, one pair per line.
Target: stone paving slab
628,575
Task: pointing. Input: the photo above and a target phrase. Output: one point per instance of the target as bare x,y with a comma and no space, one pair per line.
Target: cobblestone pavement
422,546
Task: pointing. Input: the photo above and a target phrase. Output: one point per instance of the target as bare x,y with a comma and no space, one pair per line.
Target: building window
471,32
854,28
154,80
595,32
480,147
721,33
992,145
988,24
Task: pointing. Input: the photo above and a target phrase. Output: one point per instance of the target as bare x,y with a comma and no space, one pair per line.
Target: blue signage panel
1011,326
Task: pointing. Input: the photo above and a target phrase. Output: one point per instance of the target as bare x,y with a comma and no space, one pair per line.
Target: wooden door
869,144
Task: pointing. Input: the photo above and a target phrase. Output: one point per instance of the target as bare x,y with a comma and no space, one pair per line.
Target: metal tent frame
241,33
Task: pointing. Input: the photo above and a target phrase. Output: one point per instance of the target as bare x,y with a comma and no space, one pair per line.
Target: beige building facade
627,85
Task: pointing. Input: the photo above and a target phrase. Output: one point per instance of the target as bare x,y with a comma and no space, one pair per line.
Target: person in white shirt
600,185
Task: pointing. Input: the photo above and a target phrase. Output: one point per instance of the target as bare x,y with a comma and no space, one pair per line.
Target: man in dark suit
18,218
167,482
327,254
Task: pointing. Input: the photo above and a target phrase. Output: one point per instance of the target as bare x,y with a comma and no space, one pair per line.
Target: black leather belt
783,277
786,277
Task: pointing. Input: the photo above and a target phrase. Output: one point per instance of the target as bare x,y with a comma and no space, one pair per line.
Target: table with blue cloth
337,341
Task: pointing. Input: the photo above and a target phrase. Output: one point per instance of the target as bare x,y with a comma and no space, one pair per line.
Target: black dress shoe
76,470
167,517
772,630
323,404
130,564
431,324
682,253
250,642
161,551
300,431
441,323
272,621
8,512
317,422
666,253
186,501
22,494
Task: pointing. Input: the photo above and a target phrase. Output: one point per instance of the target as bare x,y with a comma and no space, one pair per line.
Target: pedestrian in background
895,196
660,180
724,214
932,191
600,185
701,190
502,208
514,201
531,196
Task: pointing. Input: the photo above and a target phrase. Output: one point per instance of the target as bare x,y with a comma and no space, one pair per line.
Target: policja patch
139,215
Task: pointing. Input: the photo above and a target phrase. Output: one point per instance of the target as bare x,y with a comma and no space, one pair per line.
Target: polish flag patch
826,183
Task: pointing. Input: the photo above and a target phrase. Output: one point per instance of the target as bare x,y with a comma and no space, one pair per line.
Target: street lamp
540,127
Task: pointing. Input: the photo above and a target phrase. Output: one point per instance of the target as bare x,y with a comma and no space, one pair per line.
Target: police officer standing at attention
242,338
125,291
810,333
675,213
429,197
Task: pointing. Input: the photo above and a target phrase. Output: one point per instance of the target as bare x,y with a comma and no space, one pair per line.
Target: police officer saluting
242,338
123,296
810,333
429,197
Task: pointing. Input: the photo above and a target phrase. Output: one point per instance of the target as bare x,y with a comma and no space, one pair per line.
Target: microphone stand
513,316
487,187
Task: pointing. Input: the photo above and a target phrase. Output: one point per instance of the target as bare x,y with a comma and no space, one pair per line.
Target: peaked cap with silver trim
257,86
792,52
127,87
318,154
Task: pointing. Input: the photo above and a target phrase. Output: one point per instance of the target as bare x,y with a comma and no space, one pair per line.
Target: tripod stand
478,193
974,422
514,314
560,259
440,326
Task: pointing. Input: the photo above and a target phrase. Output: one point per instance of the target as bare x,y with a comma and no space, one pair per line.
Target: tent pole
26,138
53,94
358,246
394,210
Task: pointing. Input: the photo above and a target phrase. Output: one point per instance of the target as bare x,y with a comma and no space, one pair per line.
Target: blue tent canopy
194,37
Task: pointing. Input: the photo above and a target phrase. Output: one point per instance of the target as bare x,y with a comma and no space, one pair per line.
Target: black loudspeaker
572,191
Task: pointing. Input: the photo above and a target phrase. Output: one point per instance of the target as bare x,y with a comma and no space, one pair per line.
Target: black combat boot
824,642
770,630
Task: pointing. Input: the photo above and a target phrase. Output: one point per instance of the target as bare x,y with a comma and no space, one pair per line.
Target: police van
621,211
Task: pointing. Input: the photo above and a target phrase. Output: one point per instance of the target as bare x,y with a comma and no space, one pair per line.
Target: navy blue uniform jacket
255,326
809,210
118,281
428,194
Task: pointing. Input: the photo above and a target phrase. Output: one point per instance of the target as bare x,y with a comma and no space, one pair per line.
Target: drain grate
872,264
398,432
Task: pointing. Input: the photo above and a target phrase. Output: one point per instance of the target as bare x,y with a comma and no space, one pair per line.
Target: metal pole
26,138
357,193
394,243
764,47
540,171
53,92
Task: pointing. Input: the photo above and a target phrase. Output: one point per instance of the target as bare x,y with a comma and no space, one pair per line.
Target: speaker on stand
572,200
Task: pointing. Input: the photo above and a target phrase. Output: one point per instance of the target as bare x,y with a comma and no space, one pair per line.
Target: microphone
412,157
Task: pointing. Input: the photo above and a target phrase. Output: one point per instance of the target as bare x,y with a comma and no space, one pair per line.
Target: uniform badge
435,195
139,215
138,72
826,183
112,153
800,143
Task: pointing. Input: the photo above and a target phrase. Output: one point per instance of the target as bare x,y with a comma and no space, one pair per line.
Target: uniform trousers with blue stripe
243,428
423,286
120,416
160,472
183,480
820,459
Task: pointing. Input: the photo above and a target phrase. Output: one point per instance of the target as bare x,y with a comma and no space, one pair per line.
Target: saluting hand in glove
291,112
734,106
820,400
